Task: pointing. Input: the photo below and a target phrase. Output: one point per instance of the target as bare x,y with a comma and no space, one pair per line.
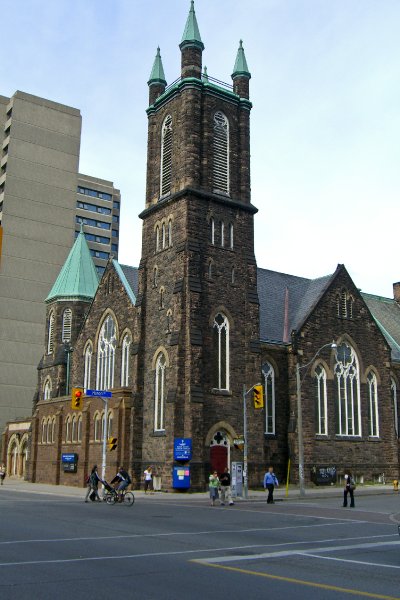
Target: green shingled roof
191,34
241,67
78,277
157,74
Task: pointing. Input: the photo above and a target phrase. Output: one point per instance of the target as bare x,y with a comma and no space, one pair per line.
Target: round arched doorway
219,452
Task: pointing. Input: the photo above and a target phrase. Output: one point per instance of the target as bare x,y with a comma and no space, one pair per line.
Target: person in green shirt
213,485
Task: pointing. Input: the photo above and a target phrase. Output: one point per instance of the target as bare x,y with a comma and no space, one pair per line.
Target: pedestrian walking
92,485
148,479
2,473
349,487
270,482
213,485
226,492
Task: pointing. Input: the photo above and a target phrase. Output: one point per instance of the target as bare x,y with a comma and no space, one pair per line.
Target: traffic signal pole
245,446
104,456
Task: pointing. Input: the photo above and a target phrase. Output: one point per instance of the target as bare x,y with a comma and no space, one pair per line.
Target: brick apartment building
176,339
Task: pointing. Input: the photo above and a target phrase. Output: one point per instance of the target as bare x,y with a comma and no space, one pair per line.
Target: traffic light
258,396
112,443
77,398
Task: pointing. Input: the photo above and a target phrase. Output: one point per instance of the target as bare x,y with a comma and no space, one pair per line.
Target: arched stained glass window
47,390
87,366
68,429
221,154
126,344
269,397
166,157
321,401
348,391
97,427
106,355
373,410
221,352
393,389
160,393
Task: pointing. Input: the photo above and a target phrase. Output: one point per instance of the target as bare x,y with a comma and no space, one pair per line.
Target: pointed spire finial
205,74
241,68
157,75
191,34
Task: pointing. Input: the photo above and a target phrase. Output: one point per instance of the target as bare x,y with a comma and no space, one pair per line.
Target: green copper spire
241,67
157,73
191,34
78,277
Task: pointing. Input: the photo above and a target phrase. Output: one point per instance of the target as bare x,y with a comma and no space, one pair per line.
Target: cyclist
124,480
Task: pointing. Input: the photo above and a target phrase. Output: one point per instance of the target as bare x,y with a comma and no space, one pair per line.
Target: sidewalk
18,485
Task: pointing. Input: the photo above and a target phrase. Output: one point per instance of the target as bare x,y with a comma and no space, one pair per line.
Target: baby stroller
108,489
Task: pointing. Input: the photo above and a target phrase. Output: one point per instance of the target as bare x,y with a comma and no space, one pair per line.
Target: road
168,547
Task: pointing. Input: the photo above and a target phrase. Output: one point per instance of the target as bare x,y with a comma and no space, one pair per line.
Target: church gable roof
286,301
129,278
386,313
78,278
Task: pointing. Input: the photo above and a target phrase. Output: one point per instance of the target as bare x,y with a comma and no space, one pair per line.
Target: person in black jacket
93,484
123,479
349,488
225,482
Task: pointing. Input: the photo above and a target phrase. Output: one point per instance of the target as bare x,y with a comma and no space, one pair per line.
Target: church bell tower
198,278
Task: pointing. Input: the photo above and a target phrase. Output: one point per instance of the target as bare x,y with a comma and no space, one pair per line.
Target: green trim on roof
157,74
386,333
78,278
191,34
241,68
124,280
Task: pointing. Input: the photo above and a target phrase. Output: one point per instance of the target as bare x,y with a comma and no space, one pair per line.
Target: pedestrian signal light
77,398
258,396
112,443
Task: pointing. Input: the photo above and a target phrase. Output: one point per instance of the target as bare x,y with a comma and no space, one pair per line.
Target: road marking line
322,586
347,560
321,550
192,533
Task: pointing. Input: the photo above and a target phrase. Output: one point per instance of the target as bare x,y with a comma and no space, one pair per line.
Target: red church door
218,458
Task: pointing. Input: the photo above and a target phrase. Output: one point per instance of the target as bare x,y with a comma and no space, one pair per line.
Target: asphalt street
168,547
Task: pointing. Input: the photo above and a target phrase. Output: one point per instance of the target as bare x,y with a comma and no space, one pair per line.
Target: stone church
180,340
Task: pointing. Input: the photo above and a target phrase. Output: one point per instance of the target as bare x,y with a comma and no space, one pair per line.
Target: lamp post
300,414
245,474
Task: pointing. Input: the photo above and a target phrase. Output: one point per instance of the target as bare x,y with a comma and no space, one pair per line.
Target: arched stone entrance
219,452
17,455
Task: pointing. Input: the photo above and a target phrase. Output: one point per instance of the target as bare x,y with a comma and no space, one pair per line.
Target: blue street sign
98,393
182,449
69,458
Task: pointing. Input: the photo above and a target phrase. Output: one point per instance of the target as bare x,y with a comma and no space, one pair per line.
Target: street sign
182,449
99,393
69,458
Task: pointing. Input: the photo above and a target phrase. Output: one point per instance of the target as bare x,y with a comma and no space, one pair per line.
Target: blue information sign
182,449
69,458
99,393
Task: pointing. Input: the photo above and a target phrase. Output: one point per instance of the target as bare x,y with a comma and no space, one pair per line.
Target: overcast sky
325,127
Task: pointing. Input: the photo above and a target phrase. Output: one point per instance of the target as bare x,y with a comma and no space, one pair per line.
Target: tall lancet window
221,154
106,355
166,157
50,333
221,352
160,393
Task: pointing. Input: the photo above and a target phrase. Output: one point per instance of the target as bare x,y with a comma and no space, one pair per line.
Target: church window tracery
126,344
160,393
50,333
66,325
373,410
322,401
348,391
269,397
221,351
106,355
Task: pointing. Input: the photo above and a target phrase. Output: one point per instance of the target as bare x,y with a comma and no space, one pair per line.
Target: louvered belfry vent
166,157
221,154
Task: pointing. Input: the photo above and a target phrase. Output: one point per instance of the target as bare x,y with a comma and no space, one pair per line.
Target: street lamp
245,474
300,415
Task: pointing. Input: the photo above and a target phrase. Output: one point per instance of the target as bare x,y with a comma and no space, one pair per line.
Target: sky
325,123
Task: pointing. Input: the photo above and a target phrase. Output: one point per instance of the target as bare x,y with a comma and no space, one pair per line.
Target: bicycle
112,497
